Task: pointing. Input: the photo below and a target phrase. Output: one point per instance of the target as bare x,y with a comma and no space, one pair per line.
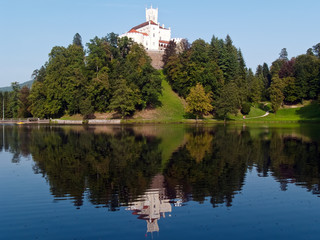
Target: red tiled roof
161,41
144,24
135,31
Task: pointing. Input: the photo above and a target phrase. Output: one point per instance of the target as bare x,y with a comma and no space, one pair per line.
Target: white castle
150,34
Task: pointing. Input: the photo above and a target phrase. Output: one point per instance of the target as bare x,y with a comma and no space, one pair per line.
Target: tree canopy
74,76
199,102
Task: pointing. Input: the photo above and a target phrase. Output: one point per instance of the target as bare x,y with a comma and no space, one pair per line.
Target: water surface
160,182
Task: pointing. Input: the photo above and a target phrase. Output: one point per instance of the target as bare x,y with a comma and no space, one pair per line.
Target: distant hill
9,88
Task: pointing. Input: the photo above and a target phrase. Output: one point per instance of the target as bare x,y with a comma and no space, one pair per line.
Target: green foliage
24,103
124,100
70,76
171,50
86,108
199,102
255,88
276,94
283,54
316,50
14,99
214,66
307,73
245,108
77,40
290,90
37,100
228,101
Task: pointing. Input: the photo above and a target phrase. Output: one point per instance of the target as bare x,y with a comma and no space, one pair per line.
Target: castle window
154,35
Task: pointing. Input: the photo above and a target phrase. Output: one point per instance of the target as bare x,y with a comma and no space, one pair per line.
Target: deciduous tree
199,102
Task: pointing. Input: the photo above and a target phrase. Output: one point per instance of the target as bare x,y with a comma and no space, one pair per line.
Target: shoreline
147,122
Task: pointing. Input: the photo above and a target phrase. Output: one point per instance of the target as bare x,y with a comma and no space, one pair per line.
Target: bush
245,108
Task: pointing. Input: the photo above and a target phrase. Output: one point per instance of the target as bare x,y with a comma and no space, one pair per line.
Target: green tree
290,90
307,74
99,91
124,100
276,93
316,50
86,108
77,40
37,99
199,102
255,86
169,51
39,74
228,101
14,99
283,54
24,103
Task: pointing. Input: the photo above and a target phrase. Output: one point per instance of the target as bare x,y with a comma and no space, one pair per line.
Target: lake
160,182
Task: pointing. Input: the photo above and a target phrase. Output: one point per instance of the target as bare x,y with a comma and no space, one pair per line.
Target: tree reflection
116,166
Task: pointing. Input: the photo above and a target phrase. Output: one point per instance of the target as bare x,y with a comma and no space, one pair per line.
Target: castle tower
152,15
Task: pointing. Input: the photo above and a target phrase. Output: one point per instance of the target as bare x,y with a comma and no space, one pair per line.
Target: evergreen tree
77,40
255,86
231,61
316,50
266,75
170,50
228,101
14,99
283,54
276,93
24,103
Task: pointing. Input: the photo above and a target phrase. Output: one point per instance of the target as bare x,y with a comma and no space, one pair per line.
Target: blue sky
261,28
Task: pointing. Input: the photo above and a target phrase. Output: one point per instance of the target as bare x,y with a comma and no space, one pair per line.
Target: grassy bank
172,110
301,113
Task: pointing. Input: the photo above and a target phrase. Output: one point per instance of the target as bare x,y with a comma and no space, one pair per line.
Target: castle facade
150,34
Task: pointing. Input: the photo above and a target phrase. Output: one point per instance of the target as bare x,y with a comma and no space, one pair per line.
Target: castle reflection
153,205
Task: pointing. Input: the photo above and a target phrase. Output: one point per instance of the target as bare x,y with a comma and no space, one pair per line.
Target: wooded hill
112,74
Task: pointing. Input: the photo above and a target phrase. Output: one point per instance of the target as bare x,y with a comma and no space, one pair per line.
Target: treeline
15,104
115,74
109,74
230,86
294,80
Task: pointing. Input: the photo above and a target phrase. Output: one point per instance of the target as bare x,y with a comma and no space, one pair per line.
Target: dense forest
110,74
115,74
219,67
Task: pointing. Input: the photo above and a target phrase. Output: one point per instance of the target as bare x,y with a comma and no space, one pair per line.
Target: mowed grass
172,108
310,112
254,112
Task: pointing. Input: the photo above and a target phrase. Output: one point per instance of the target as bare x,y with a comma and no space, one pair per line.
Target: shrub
245,108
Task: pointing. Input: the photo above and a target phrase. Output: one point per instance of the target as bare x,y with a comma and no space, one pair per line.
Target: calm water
160,182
